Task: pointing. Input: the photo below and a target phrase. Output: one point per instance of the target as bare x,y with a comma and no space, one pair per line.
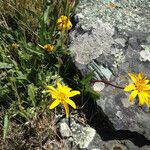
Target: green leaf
31,93
5,65
86,80
35,52
4,90
92,93
46,14
6,126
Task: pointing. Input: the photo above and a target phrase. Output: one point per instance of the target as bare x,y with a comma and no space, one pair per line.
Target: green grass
25,71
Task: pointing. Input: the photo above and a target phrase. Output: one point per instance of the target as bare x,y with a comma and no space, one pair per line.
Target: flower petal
66,109
73,93
148,103
41,46
129,87
146,87
54,95
144,97
70,102
53,91
60,87
140,76
69,25
133,95
54,104
66,90
51,88
141,98
133,77
146,81
59,20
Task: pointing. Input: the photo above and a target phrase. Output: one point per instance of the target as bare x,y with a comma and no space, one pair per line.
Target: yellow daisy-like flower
48,47
140,87
64,23
62,95
14,45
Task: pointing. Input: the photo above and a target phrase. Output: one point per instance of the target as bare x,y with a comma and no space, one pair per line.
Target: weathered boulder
76,134
112,38
79,136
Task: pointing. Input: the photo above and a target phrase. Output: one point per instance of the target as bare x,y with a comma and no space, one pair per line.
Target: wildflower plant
62,95
14,45
140,88
64,23
26,70
48,47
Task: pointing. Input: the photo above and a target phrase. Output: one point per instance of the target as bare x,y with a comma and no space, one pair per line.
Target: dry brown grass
21,12
39,133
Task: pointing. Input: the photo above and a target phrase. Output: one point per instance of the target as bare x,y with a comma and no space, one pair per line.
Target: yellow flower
62,95
48,47
140,87
64,23
14,45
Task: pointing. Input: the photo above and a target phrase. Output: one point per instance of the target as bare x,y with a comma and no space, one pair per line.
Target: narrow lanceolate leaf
6,126
31,94
87,79
5,65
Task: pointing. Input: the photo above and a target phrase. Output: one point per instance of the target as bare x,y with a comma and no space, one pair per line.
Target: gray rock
92,43
83,137
124,118
113,39
65,130
128,15
145,54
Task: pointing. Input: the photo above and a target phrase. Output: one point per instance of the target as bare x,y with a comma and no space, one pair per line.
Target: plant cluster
33,53
34,58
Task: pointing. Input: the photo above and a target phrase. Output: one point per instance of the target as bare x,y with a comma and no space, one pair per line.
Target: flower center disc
62,96
140,86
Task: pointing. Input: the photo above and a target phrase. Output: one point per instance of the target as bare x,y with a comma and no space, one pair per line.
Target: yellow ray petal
70,102
66,90
133,95
54,94
133,77
59,21
73,93
41,46
148,103
146,87
54,104
69,25
60,87
129,87
66,109
143,98
146,94
140,75
146,81
51,88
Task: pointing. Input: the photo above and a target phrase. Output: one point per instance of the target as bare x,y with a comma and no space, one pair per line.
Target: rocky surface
112,38
125,14
78,135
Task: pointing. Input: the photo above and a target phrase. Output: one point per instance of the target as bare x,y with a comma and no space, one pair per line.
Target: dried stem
107,82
